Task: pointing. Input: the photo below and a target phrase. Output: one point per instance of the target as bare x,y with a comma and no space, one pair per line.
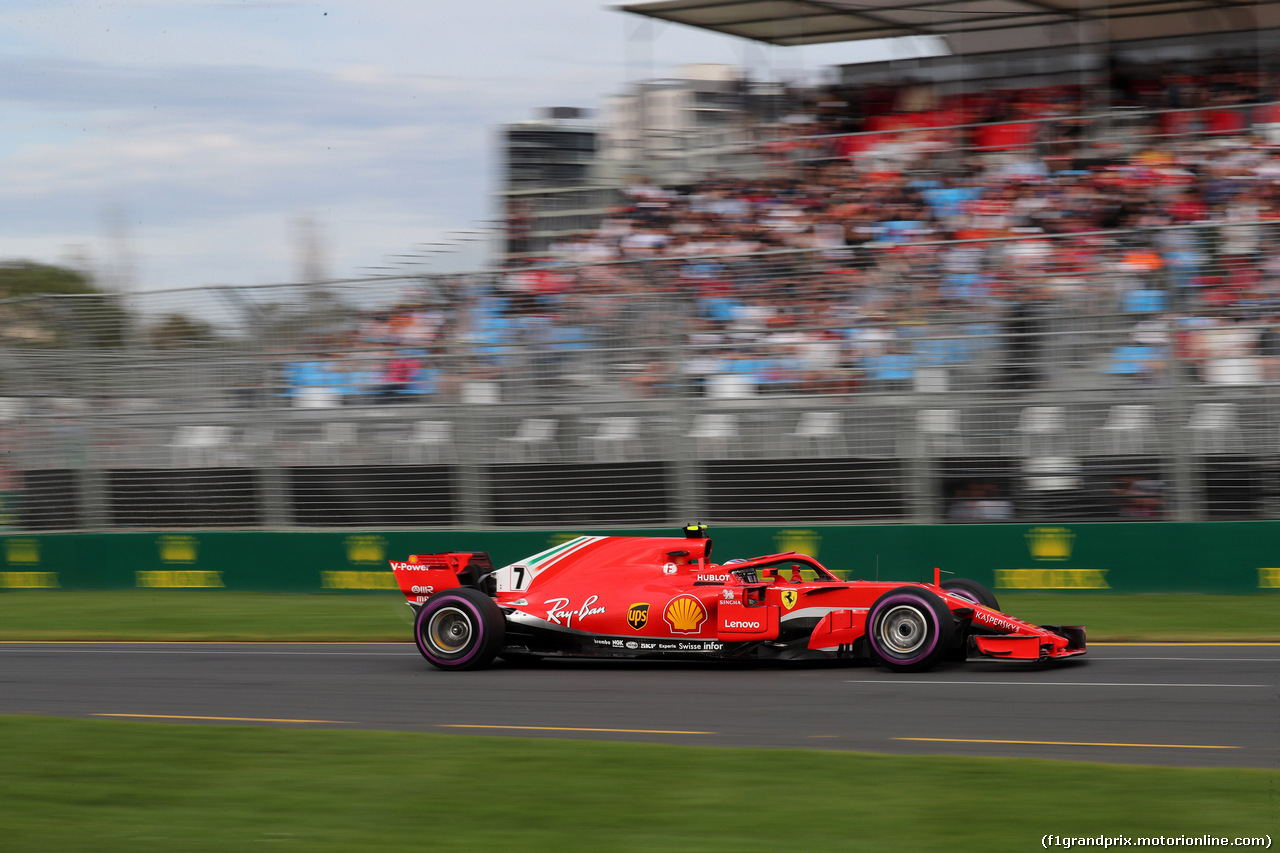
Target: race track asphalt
1187,705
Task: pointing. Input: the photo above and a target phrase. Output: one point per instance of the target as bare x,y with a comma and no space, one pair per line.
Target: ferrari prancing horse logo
789,597
638,615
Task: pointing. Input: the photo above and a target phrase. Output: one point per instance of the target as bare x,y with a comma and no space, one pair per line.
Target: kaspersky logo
685,614
1050,543
789,598
638,615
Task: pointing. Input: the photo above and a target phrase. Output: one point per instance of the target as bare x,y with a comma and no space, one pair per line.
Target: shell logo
685,614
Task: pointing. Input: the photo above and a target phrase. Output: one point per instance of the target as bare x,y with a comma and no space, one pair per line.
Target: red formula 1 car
660,597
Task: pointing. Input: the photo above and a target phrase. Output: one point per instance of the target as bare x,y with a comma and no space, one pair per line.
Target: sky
179,143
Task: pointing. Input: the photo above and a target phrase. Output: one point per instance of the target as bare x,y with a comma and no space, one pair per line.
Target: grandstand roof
970,26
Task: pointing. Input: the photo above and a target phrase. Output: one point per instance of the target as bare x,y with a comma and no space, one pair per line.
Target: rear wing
423,575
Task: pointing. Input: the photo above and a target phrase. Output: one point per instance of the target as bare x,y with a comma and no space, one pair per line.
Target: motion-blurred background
1020,269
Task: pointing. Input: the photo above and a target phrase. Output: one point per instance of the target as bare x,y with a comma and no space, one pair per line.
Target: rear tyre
972,591
910,629
459,629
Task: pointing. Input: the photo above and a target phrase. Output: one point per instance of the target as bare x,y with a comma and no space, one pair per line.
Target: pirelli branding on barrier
367,566
29,580
358,580
22,556
179,579
1052,545
1051,579
1212,557
800,541
22,551
366,550
180,550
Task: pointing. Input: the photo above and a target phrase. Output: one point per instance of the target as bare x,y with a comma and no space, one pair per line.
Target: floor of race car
1190,705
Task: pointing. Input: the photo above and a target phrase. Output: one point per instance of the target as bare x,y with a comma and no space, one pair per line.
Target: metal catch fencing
1107,376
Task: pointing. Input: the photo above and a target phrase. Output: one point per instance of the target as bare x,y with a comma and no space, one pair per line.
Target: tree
47,305
26,278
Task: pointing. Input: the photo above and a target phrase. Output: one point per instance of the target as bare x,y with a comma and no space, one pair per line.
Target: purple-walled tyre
459,629
910,629
971,591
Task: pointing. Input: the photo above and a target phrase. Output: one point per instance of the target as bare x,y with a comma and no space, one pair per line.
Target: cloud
211,124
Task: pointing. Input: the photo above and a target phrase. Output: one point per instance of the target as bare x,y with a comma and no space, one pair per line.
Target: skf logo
366,549
685,614
1050,543
638,615
789,597
178,549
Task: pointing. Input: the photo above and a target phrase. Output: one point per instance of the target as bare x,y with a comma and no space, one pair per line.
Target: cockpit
780,569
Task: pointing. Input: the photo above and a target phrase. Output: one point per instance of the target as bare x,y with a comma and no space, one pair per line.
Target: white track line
906,681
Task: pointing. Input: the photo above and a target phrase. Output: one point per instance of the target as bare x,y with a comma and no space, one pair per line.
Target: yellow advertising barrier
180,579
29,580
1051,579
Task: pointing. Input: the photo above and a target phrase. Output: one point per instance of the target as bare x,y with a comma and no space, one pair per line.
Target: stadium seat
817,434
199,445
335,439
533,441
715,435
1042,431
1215,428
616,439
939,430
428,441
1128,430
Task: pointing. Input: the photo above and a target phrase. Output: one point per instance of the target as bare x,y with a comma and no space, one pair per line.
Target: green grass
221,615
1176,618
112,786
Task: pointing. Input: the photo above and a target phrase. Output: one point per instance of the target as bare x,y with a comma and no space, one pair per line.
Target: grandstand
976,306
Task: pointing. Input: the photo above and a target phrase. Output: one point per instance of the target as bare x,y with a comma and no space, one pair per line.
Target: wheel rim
903,630
449,631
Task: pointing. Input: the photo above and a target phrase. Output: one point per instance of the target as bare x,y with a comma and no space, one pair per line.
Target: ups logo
638,616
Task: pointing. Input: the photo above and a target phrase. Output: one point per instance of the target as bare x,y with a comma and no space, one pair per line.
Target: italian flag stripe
560,550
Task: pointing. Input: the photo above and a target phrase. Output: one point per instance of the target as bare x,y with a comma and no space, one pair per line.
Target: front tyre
910,629
459,629
971,591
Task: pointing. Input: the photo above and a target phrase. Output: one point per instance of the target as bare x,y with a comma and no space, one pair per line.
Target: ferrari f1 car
660,597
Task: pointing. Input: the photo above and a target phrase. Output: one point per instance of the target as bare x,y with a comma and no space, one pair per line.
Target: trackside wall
1216,557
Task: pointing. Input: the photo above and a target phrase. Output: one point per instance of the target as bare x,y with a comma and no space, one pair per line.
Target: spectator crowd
890,238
